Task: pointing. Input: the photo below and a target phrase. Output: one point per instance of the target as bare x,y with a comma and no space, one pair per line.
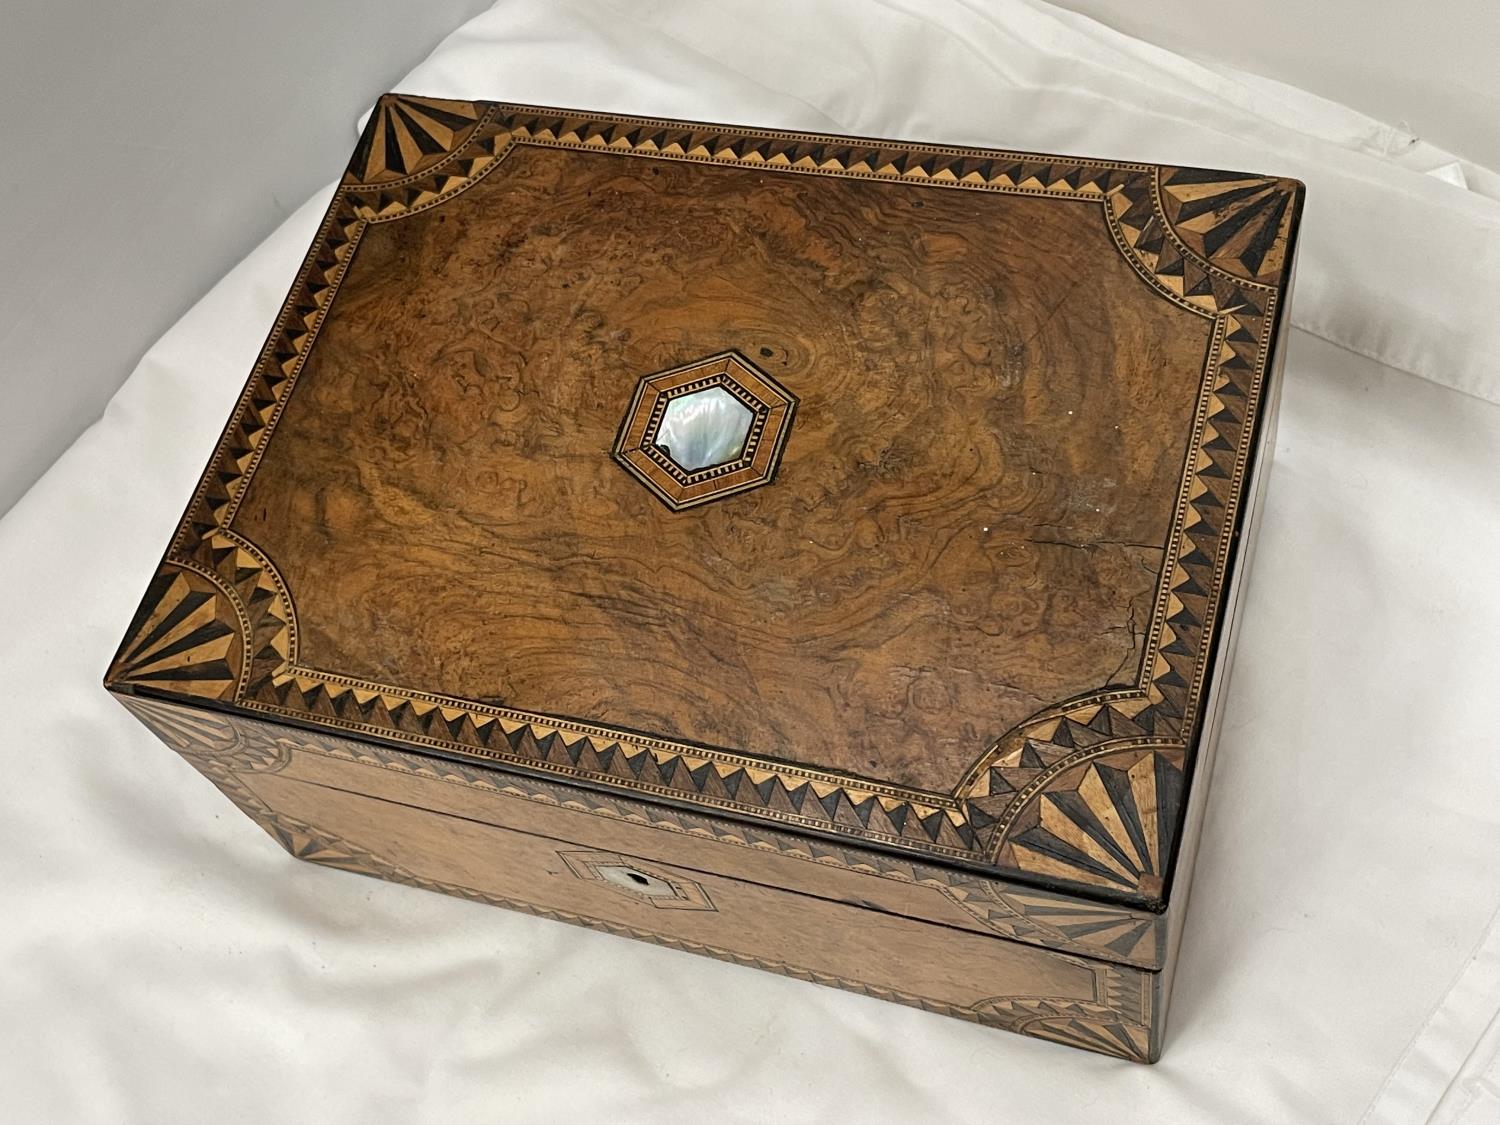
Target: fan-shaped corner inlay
1239,223
408,134
1108,822
186,640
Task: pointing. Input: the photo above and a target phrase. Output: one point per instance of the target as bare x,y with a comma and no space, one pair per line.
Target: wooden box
895,674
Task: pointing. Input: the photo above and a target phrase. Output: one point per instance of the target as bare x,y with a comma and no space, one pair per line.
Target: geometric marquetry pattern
1057,922
214,743
408,134
1211,242
223,485
1100,1027
1116,1022
189,731
770,405
184,639
1003,784
203,625
581,751
1239,223
1112,817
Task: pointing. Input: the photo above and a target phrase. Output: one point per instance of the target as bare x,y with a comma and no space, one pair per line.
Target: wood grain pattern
968,523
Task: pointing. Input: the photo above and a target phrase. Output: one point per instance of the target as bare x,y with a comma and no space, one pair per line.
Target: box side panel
1213,716
850,944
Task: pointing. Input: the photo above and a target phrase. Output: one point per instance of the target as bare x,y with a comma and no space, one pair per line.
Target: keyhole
636,882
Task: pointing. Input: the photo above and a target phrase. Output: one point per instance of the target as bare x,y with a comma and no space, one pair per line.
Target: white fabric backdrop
162,961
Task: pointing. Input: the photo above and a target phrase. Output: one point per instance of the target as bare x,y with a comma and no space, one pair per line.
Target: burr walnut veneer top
967,525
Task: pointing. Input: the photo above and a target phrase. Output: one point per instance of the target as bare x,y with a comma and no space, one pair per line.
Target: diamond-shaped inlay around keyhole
657,886
705,430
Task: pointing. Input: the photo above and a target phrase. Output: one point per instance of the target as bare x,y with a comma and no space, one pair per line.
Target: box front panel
842,873
570,866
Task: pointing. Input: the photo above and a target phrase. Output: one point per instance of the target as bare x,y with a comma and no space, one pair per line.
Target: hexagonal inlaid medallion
705,430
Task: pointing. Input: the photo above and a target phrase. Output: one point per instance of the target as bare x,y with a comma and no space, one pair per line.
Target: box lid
886,492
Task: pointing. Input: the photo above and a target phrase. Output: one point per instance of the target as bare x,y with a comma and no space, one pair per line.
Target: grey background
146,147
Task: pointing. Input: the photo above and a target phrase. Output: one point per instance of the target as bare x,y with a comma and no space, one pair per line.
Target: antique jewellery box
815,552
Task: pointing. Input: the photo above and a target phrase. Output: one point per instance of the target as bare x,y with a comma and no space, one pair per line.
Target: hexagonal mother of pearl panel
704,428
